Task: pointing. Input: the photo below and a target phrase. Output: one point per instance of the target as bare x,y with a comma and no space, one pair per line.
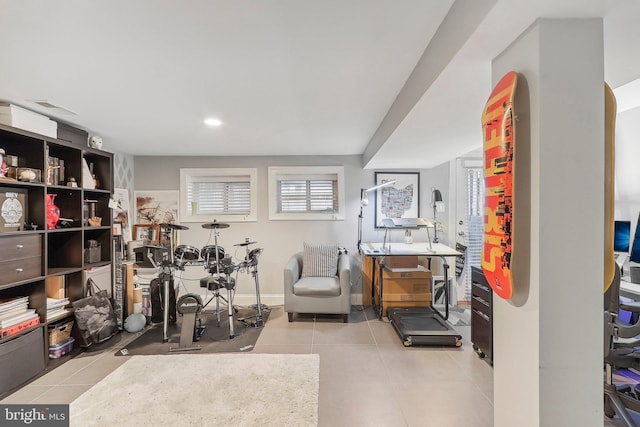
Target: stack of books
16,316
56,308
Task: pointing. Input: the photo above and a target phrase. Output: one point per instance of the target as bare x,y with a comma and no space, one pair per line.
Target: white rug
228,389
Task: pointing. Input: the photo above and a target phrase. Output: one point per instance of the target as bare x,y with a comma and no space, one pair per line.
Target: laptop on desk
406,223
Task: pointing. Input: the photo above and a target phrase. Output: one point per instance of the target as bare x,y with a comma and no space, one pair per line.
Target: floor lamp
436,197
364,201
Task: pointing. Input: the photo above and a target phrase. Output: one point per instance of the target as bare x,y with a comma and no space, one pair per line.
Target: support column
548,341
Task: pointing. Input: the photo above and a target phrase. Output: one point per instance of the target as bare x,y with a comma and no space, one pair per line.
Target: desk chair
622,351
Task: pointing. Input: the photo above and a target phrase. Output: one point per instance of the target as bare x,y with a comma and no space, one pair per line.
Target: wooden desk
374,255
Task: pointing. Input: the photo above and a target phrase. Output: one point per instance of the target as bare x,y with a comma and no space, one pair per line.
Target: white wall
280,239
548,363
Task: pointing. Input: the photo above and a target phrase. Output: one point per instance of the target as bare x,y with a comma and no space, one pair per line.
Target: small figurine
72,182
95,142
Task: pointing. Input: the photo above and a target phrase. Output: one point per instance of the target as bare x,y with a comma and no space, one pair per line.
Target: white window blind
311,195
215,196
475,215
475,192
306,193
475,223
223,194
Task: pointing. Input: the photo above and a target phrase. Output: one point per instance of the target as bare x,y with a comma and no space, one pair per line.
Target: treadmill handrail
445,316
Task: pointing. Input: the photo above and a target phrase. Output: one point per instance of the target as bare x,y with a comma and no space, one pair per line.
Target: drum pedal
199,331
258,323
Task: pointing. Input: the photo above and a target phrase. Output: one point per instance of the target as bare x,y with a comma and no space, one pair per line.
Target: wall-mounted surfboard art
609,173
498,131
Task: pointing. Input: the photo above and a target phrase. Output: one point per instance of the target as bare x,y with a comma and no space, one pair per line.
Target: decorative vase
53,212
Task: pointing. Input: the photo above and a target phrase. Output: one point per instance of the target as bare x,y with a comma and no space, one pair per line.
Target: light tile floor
367,377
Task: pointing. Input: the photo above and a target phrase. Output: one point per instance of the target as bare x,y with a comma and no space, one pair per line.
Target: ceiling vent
53,107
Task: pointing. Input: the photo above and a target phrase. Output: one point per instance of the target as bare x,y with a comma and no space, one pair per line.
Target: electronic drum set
220,267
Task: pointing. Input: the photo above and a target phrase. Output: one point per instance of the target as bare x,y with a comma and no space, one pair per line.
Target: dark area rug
215,339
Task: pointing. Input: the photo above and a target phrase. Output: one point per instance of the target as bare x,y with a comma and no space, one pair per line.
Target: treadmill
425,325
422,325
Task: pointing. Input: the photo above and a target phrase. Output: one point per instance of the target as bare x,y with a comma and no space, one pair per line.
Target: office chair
621,351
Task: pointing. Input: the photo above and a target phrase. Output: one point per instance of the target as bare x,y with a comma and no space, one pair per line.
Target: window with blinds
311,195
224,194
215,198
475,215
475,223
305,193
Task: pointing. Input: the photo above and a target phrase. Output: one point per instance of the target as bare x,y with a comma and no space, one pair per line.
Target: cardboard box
416,273
404,289
402,300
19,117
409,261
14,208
406,286
422,296
55,287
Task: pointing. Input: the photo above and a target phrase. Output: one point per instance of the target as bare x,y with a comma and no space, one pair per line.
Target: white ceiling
286,77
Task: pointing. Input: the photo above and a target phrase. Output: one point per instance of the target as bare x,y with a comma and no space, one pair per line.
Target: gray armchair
322,295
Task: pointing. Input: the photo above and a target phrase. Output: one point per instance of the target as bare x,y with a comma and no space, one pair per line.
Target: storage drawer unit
22,258
481,314
23,358
17,247
20,269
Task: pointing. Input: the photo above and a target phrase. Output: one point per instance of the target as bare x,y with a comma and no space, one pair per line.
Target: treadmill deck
423,326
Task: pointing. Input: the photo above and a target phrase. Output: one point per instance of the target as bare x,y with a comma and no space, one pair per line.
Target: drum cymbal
215,224
174,226
245,244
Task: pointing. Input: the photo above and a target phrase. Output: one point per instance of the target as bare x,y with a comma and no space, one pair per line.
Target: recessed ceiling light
212,122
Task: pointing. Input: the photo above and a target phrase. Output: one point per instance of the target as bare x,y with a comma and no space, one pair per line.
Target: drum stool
214,284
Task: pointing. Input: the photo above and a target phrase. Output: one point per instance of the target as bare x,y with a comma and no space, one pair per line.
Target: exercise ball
135,322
